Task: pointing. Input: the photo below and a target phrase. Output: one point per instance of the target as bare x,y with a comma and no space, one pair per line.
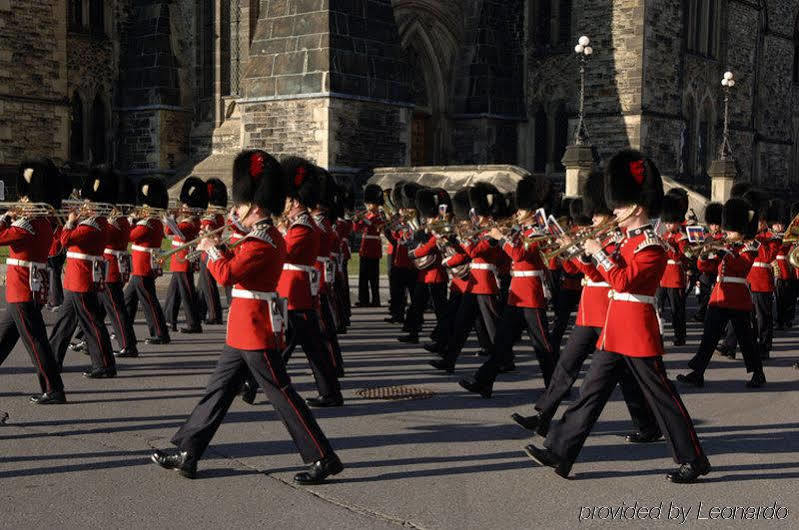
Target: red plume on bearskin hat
194,193
258,179
151,191
373,194
302,179
217,192
631,178
482,197
713,213
460,204
39,180
673,210
100,185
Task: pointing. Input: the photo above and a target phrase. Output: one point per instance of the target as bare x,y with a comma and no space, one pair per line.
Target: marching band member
591,314
57,256
731,300
84,236
344,230
526,305
371,249
181,291
299,281
209,303
778,219
146,237
402,279
28,238
673,282
707,274
255,329
631,334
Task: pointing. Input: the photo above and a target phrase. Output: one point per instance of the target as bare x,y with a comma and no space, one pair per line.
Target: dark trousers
761,323
706,283
473,307
675,297
401,286
792,301
144,287
567,436
390,273
512,320
422,294
55,295
565,303
342,300
209,305
24,320
82,309
503,281
368,280
269,371
581,343
305,330
716,320
113,304
181,292
329,331
446,323
785,293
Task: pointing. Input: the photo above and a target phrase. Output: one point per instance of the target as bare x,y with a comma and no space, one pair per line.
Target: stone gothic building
178,86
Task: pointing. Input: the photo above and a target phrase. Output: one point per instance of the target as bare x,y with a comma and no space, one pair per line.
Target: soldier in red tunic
181,291
777,217
255,329
674,280
631,335
28,239
731,300
146,237
371,250
210,306
707,272
84,236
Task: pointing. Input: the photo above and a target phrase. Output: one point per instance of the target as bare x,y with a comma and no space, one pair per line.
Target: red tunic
782,262
190,229
147,234
55,245
27,240
484,254
400,257
302,249
255,266
435,273
731,291
116,241
761,275
633,272
325,245
527,273
87,239
370,227
674,275
457,285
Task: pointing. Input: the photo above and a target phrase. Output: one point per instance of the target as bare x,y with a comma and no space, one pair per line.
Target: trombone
83,208
579,239
29,209
163,255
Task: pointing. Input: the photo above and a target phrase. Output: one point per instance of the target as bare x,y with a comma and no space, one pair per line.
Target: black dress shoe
537,424
441,364
248,391
721,350
693,379
506,368
78,346
796,365
126,352
319,471
99,373
639,437
411,338
157,340
547,459
394,320
190,331
679,342
688,473
473,386
172,325
757,381
432,347
181,462
326,401
214,322
49,398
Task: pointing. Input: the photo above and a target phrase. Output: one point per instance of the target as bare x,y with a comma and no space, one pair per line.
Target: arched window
75,15
97,17
561,131
99,154
541,155
550,23
76,129
701,21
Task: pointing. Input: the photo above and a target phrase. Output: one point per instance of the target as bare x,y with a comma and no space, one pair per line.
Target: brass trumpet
144,211
29,209
579,239
85,208
163,255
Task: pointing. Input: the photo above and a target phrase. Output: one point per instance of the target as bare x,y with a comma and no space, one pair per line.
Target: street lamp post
584,50
725,151
722,171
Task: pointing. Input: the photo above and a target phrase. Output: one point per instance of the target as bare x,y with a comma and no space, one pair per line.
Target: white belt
176,243
526,274
761,264
483,267
253,295
85,257
781,258
322,259
116,253
630,297
302,268
673,262
23,263
144,249
334,254
591,283
731,279
370,237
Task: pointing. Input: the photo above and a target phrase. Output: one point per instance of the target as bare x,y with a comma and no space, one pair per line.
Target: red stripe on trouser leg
660,370
33,348
116,316
96,331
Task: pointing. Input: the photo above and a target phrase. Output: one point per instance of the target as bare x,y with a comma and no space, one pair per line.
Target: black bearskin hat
673,210
501,207
545,192
151,192
681,194
483,196
759,201
460,204
396,193
510,198
576,212
126,190
737,215
348,198
100,185
194,193
258,179
778,212
39,181
407,195
373,194
593,194
713,213
217,192
327,189
430,200
739,188
303,181
631,178
527,193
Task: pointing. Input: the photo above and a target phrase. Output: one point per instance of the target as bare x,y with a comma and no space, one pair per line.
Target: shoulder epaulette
302,220
91,221
24,224
261,234
651,239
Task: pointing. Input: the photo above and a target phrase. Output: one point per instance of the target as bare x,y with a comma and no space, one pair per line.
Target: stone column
722,175
579,161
